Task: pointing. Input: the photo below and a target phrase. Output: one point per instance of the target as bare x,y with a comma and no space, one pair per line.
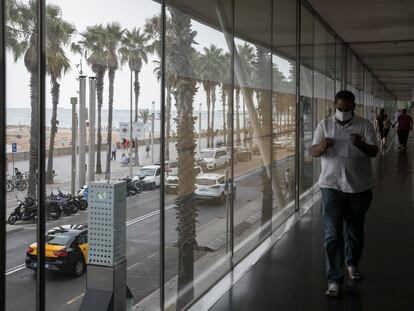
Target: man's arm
319,149
370,150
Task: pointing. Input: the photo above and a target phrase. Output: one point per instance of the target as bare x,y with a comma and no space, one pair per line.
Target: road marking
152,255
74,299
15,269
133,266
146,216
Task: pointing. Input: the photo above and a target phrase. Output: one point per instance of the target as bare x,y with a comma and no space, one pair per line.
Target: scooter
66,204
139,183
82,196
27,210
131,189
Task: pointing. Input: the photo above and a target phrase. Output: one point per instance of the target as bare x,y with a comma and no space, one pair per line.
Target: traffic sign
14,147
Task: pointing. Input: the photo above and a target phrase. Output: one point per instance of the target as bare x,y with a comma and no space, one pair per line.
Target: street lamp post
130,126
152,131
199,130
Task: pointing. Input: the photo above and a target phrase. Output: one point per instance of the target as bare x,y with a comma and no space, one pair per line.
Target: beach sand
21,136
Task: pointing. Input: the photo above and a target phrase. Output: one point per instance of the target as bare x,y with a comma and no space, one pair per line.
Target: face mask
343,116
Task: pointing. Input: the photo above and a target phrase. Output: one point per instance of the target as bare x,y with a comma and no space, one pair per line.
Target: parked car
213,158
66,250
169,165
152,176
171,182
213,187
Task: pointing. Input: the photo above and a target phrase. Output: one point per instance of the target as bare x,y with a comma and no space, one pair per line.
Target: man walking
113,155
345,142
404,126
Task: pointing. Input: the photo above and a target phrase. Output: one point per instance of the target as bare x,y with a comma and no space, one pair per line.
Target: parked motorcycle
139,183
68,205
82,196
27,210
131,188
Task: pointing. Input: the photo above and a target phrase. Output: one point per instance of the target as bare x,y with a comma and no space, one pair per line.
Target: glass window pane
22,145
198,114
306,105
253,206
284,108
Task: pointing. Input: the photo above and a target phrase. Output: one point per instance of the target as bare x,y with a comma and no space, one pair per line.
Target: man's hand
369,150
326,143
320,149
356,139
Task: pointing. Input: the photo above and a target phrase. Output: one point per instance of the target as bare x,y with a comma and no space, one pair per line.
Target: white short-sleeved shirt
344,166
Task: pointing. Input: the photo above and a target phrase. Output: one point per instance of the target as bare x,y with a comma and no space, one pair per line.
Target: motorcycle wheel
12,219
21,185
83,205
9,186
54,212
68,208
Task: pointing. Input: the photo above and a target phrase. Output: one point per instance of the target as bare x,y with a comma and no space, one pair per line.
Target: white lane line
152,255
146,216
133,266
74,299
15,269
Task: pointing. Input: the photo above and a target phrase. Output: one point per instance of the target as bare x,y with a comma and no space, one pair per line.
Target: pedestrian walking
385,132
404,126
380,125
345,143
147,149
113,155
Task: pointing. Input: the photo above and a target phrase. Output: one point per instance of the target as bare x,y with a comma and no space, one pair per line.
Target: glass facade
205,110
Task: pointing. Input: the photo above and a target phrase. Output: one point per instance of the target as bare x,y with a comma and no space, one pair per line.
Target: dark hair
347,96
404,111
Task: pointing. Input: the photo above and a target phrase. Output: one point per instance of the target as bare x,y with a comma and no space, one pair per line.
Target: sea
21,117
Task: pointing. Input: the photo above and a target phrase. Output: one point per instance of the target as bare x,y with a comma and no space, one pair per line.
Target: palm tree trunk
111,76
213,106
186,208
238,137
208,95
32,182
168,122
99,94
53,129
136,92
229,90
223,102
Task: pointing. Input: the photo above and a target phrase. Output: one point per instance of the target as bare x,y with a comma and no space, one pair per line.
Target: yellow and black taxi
66,250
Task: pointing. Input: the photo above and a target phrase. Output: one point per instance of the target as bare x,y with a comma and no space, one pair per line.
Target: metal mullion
41,193
3,130
162,158
297,111
233,50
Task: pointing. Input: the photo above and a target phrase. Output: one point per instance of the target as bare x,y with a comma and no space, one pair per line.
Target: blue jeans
343,217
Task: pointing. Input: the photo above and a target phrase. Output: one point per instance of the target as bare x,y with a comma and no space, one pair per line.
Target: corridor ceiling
381,32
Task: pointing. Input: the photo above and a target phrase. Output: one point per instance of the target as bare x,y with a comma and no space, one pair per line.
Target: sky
132,13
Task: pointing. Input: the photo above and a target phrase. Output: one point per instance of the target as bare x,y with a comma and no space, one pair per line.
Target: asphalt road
66,293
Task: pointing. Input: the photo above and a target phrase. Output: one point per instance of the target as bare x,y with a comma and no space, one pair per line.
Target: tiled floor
291,275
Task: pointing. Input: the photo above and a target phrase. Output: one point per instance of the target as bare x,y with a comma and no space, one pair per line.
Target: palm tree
152,29
134,51
208,71
22,41
184,91
226,89
247,57
59,35
93,44
113,37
